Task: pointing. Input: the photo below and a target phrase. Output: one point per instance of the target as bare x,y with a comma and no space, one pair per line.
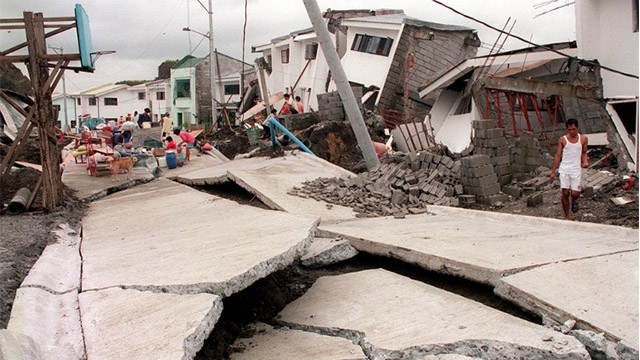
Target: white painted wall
604,32
364,68
442,108
71,110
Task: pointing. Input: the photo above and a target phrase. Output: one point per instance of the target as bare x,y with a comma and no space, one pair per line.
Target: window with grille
110,101
233,89
372,44
160,95
92,101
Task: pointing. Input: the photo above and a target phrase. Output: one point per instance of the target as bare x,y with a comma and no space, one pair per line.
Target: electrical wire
595,64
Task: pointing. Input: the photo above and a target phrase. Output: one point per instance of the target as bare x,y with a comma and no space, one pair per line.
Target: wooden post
52,194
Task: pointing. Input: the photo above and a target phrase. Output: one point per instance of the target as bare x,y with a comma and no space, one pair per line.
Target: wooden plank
49,34
34,192
29,165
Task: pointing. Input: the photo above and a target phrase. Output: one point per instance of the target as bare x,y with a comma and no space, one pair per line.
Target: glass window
233,89
160,95
110,101
284,55
141,96
92,101
183,88
372,44
79,101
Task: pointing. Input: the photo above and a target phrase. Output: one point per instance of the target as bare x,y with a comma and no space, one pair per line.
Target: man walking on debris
571,157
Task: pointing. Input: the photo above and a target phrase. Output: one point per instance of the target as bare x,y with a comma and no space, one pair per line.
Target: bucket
181,157
172,160
162,162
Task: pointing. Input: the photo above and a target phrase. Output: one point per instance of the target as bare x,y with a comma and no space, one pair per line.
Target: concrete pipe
19,201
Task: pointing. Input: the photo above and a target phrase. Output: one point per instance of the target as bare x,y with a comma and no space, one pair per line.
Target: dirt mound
336,143
229,142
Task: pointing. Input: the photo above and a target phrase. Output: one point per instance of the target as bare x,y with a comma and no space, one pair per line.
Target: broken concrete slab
18,347
269,343
130,324
58,268
51,320
271,180
198,162
89,188
327,251
600,293
393,316
168,237
481,246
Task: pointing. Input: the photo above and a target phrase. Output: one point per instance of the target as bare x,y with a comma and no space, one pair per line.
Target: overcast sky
146,32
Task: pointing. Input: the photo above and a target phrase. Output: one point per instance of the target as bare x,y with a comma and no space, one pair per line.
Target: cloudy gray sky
145,32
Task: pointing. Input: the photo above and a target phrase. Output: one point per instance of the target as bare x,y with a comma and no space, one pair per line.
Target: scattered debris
622,200
327,251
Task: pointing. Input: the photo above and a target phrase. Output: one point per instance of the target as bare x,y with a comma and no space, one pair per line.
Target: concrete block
512,190
505,179
534,200
498,142
484,124
475,161
482,170
467,199
327,251
502,169
489,190
487,180
501,160
495,133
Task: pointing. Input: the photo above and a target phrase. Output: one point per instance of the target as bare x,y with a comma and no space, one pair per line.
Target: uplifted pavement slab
89,188
45,309
481,246
269,343
327,251
270,179
130,324
58,268
51,320
393,316
168,237
600,293
198,162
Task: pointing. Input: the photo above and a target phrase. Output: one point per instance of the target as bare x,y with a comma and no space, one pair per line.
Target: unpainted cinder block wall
435,52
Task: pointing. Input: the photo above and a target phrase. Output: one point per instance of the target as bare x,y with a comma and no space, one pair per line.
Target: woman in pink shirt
187,139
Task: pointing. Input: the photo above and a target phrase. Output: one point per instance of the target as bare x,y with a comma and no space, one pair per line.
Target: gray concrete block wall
527,154
330,107
489,139
479,179
433,55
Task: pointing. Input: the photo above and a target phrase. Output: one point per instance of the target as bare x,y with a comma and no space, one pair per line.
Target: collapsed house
385,52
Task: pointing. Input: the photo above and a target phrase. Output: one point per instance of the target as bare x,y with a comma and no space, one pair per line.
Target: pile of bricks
527,154
393,189
489,140
330,106
479,179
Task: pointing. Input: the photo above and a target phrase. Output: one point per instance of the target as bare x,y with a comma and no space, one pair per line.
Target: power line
595,64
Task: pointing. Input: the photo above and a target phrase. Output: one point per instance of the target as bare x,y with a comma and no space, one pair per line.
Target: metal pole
263,88
340,77
213,71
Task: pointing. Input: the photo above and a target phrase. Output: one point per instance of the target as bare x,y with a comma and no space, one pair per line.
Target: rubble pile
489,140
394,189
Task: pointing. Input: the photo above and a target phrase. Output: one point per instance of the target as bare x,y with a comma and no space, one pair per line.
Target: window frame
93,101
371,44
235,86
178,88
111,100
159,96
142,95
285,56
79,101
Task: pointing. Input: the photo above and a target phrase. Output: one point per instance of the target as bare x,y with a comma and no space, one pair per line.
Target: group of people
292,107
188,141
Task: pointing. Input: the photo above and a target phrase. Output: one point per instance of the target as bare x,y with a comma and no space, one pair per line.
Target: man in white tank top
571,157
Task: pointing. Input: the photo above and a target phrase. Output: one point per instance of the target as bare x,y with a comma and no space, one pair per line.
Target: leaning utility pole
344,89
213,71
